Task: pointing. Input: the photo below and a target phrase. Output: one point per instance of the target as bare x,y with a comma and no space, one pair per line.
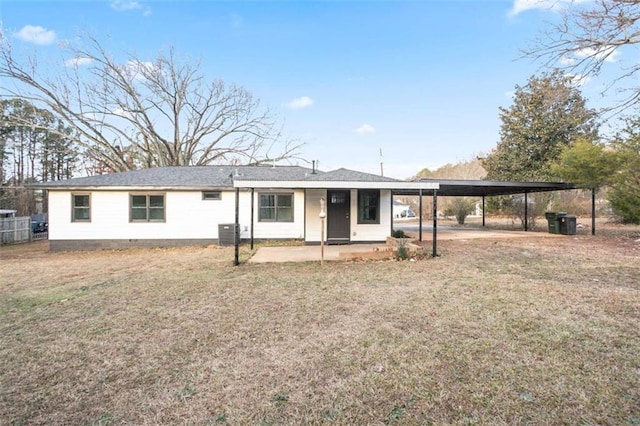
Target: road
455,232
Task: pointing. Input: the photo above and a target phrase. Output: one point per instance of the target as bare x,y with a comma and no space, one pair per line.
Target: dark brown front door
338,222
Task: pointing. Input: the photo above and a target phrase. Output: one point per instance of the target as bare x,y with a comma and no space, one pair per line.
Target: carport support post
526,211
252,203
420,216
483,223
323,215
593,211
434,252
236,242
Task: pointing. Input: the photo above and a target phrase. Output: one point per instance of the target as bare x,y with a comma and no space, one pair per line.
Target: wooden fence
15,230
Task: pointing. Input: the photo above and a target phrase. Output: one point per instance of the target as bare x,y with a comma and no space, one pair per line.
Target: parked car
39,226
407,213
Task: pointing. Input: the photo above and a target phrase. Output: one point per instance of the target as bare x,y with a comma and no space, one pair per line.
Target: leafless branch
590,36
132,113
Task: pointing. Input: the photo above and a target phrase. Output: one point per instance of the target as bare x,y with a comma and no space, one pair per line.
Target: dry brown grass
540,331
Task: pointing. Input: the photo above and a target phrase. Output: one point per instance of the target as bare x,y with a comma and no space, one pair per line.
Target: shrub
401,252
625,205
460,207
399,233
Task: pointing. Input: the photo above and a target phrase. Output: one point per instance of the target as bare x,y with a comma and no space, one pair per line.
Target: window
81,208
338,198
276,208
369,206
147,207
211,195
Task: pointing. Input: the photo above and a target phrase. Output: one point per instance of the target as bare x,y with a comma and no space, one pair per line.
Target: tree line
30,152
549,134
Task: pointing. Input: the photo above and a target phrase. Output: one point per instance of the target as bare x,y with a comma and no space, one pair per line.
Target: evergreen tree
548,114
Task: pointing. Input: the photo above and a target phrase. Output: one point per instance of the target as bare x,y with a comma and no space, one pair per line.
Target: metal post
434,252
420,216
483,222
526,211
593,211
391,207
321,241
236,255
252,203
323,215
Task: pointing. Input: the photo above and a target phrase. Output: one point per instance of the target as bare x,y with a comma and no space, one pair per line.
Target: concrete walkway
373,251
312,253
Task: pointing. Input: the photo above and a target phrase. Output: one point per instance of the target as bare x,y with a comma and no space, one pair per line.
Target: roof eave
335,184
132,188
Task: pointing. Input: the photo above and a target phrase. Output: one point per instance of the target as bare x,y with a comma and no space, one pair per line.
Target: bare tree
132,114
590,34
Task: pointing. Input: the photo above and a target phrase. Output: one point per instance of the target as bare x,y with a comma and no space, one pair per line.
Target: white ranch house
169,206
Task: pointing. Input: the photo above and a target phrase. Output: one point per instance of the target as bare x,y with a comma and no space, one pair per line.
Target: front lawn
540,331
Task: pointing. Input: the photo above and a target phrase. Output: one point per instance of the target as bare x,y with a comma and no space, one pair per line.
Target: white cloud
36,34
141,69
609,55
141,65
365,129
520,6
566,60
122,113
236,20
579,79
123,5
126,5
302,102
77,62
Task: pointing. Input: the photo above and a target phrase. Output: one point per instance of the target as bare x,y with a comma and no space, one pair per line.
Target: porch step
394,243
381,252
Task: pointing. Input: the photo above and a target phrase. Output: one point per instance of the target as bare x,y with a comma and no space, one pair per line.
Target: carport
420,188
483,189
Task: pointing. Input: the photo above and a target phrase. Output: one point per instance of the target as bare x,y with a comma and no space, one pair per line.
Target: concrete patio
312,253
381,250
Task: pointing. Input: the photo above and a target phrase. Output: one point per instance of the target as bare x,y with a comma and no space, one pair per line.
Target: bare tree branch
591,35
131,114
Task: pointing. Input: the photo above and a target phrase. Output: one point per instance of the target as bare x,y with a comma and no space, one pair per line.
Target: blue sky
420,80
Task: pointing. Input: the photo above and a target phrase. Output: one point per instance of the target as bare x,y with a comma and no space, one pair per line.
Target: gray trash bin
568,225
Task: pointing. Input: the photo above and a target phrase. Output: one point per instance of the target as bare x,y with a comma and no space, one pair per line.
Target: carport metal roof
480,188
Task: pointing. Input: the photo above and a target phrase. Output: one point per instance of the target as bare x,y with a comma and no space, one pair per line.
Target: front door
338,222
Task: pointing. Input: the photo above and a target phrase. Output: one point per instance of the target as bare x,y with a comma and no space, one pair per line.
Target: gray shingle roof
210,177
346,175
267,173
161,176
